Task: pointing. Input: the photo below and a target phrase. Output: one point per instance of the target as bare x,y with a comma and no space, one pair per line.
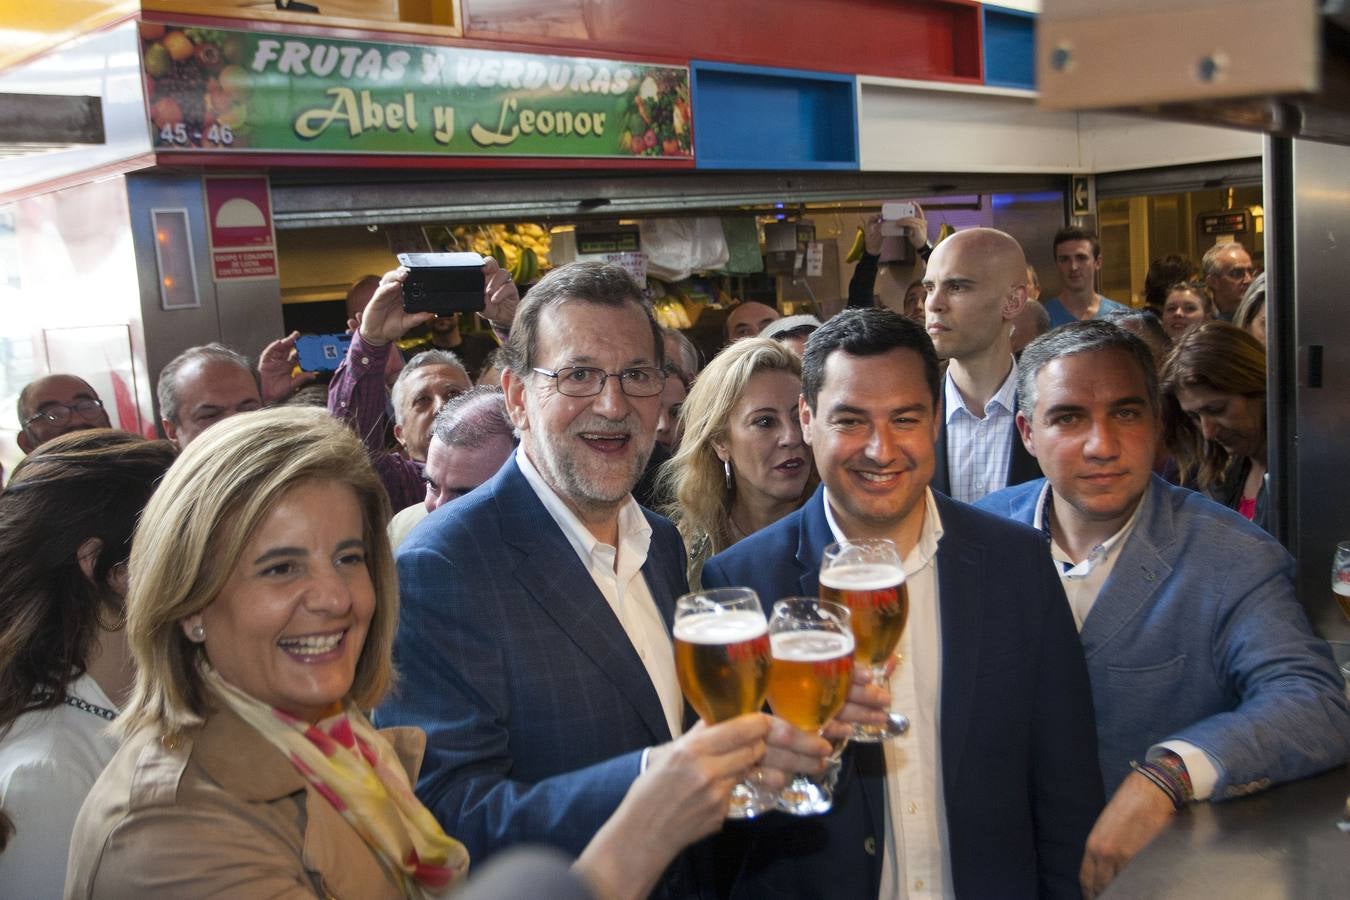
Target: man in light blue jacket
1207,680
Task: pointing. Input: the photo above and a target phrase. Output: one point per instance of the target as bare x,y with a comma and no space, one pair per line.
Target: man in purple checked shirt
358,396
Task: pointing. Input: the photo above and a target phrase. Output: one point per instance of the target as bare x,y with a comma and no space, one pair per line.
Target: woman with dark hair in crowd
66,521
1164,272
1214,406
261,617
741,464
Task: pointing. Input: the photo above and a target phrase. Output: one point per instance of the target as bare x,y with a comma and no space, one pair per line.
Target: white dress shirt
978,448
915,862
48,762
1083,582
617,572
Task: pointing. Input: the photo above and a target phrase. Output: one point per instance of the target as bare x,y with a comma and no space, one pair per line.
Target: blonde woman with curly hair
741,464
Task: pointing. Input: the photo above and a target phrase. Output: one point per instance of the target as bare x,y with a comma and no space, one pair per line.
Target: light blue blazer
1197,636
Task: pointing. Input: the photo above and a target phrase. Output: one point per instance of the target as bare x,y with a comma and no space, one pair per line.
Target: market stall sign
217,89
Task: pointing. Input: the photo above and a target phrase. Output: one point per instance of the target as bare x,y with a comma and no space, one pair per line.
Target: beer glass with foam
722,660
809,682
866,576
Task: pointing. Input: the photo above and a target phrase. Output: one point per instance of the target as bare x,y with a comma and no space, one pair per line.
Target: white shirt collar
1004,398
1098,554
929,535
632,523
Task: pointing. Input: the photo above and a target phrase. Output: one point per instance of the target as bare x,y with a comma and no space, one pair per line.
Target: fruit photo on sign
194,86
655,115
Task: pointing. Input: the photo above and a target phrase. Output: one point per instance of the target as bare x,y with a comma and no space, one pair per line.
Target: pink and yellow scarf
347,761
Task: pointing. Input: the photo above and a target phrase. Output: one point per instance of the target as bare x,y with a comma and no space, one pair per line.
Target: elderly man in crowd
987,794
1228,273
534,639
470,439
202,386
1207,680
53,405
357,393
748,319
976,283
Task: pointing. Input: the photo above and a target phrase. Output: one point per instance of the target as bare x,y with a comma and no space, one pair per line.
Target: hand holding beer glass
809,683
866,576
722,660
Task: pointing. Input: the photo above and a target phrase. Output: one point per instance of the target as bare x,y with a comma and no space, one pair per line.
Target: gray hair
687,365
591,282
473,419
166,389
1253,301
1210,261
425,358
1089,336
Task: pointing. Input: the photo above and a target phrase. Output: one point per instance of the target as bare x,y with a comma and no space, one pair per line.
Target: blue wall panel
1009,48
749,117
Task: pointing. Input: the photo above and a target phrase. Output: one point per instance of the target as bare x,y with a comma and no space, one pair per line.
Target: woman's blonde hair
195,528
1222,358
695,476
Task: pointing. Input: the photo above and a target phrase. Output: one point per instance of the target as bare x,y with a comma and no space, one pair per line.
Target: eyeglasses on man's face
59,413
1237,273
587,381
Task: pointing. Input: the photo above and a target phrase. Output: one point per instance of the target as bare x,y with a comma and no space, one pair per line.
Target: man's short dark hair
1089,336
473,419
589,282
1075,233
1151,330
866,332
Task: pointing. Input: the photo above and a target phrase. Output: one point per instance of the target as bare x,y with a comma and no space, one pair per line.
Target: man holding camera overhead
357,393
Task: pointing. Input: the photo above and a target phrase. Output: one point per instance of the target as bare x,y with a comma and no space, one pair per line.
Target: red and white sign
239,222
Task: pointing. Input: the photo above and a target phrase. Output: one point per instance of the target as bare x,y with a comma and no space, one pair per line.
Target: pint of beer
809,683
722,661
876,595
812,671
866,576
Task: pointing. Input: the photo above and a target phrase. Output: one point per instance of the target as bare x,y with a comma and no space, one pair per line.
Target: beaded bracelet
1175,790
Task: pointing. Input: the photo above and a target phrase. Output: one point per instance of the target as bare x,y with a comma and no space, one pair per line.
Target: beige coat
220,812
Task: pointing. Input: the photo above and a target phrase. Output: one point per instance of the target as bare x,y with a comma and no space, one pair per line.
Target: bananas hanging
859,245
521,250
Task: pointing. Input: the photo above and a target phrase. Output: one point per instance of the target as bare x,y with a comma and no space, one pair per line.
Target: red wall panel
924,39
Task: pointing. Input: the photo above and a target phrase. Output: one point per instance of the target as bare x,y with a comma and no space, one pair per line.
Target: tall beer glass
866,576
722,660
809,683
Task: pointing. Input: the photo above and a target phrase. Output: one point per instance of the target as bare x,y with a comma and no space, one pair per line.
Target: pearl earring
198,633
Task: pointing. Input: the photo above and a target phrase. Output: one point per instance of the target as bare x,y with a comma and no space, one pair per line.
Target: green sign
224,90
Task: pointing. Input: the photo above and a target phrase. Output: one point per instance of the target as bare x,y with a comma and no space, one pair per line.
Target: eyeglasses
585,381
60,413
1237,273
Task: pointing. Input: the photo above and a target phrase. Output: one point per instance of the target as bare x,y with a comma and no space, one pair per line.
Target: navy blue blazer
535,704
1019,777
1197,636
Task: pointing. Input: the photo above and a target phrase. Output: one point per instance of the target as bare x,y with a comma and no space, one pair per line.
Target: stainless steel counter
1282,843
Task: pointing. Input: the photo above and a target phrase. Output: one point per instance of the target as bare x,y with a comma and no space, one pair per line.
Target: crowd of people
292,651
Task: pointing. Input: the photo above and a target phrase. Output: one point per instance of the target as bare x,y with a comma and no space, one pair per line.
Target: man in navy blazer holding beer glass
994,787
